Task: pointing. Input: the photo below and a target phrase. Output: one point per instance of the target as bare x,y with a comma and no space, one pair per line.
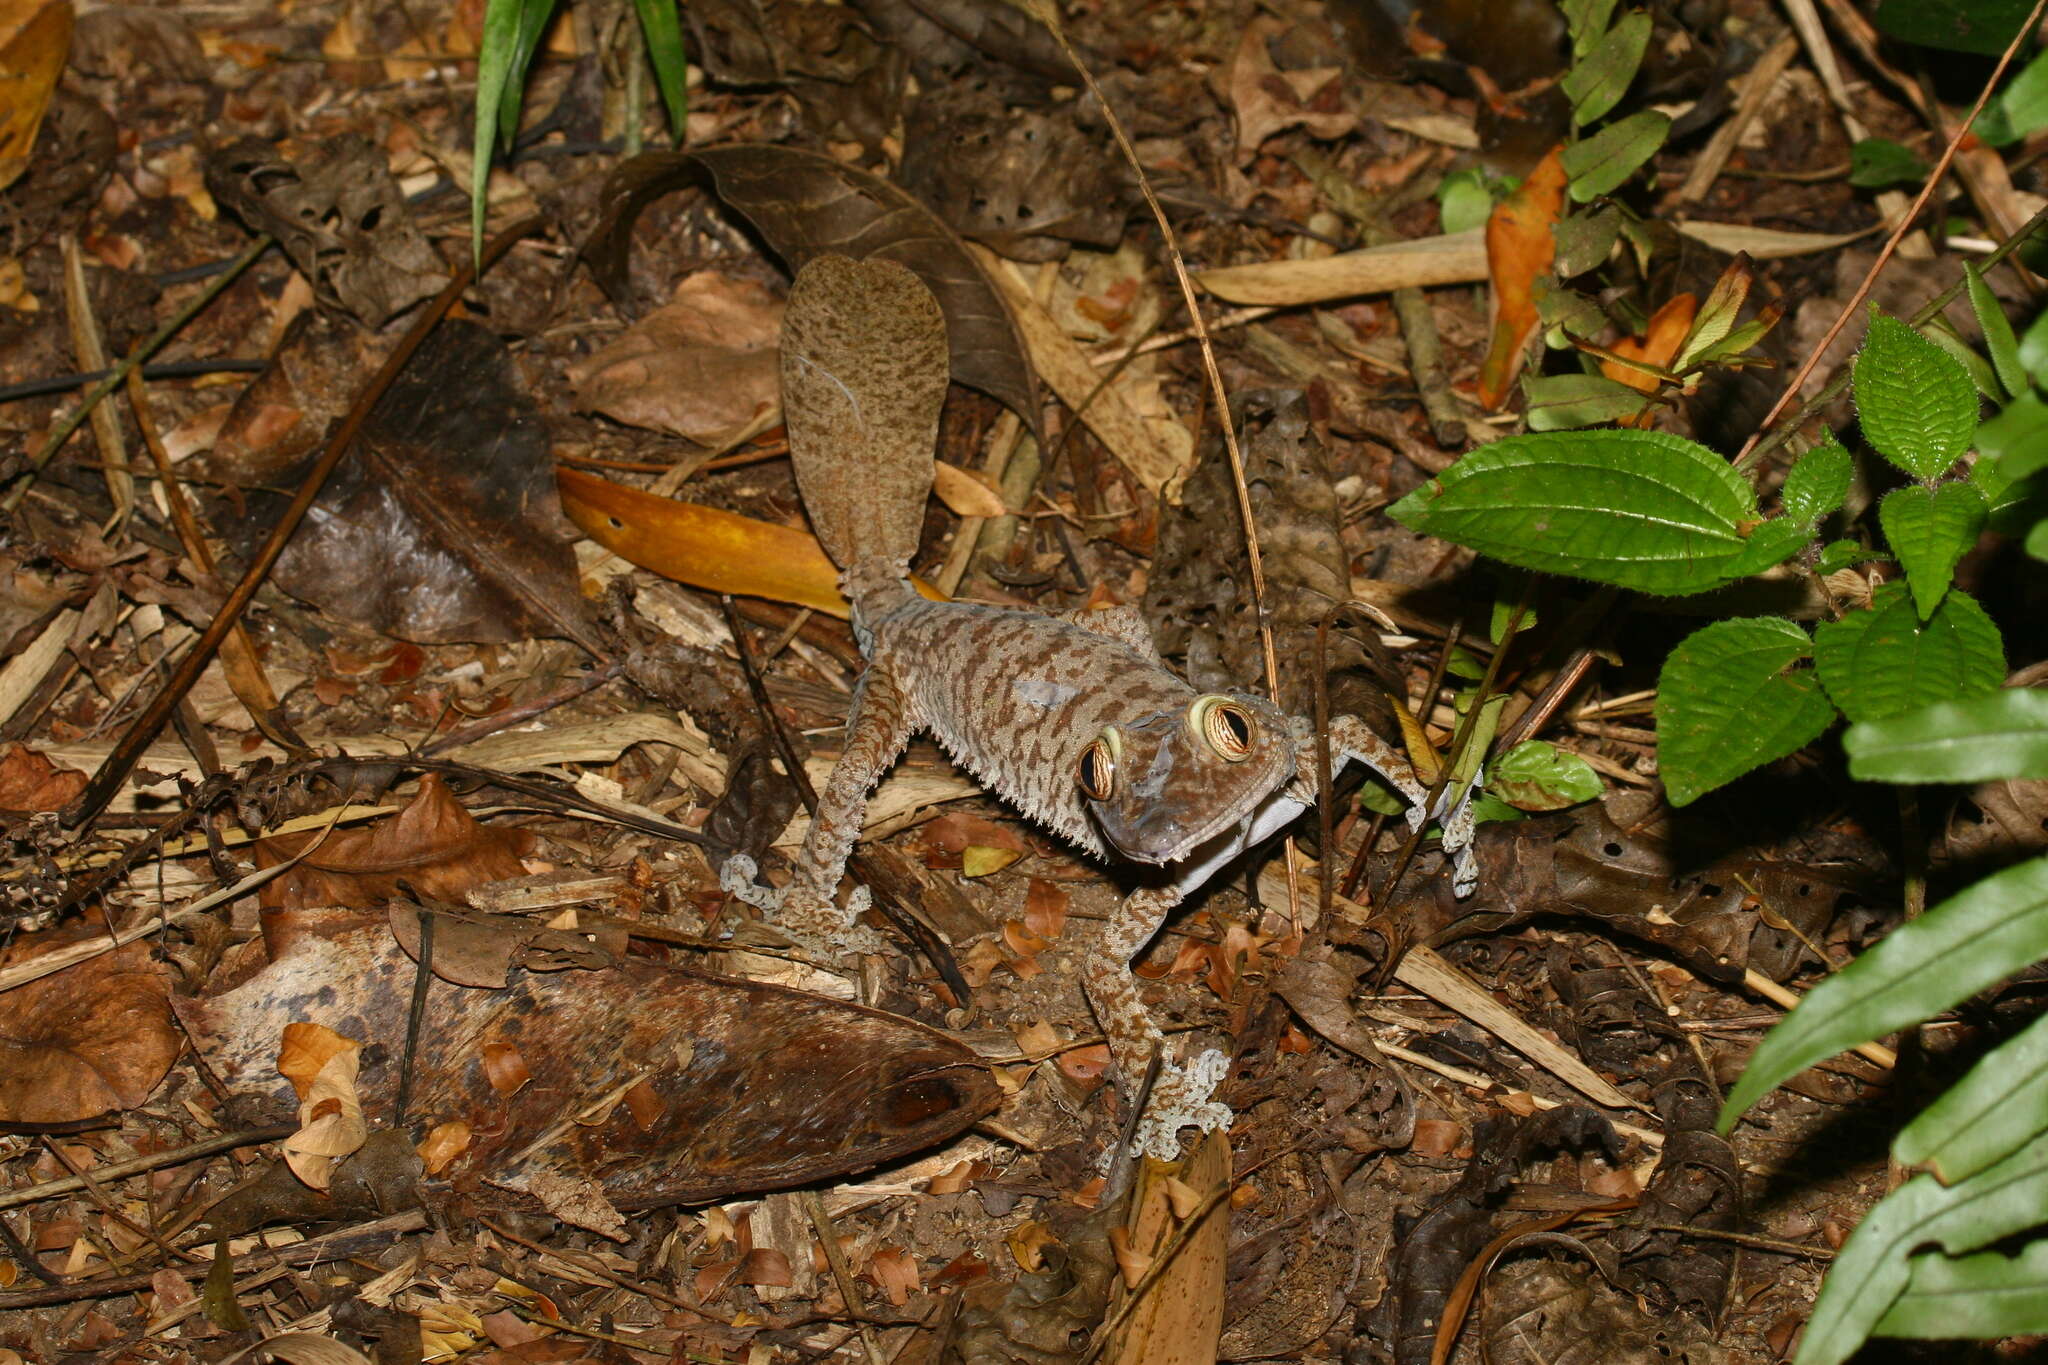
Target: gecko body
1073,719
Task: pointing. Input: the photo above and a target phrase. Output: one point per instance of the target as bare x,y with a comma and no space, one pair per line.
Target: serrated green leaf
1537,776
664,32
1874,1267
1728,700
1837,555
1463,200
1586,20
2002,734
511,32
1598,80
1886,661
1564,402
1603,161
1999,341
1969,942
1769,545
1638,509
1982,376
1980,26
1984,1296
1929,529
1875,163
1916,404
1998,1108
1584,239
2017,437
1816,485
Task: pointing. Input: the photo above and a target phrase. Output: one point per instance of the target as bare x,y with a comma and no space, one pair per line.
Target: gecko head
1161,784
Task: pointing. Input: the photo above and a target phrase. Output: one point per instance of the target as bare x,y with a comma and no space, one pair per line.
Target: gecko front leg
1180,1096
806,910
1351,738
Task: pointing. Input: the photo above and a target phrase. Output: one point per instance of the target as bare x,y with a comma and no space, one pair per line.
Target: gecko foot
1180,1099
812,922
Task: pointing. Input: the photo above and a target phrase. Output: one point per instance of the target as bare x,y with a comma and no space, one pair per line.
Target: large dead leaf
434,845
1267,100
29,781
702,366
805,204
95,1037
658,1083
1519,249
441,523
34,40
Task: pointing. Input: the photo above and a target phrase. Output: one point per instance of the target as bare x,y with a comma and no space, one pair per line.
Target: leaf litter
589,1045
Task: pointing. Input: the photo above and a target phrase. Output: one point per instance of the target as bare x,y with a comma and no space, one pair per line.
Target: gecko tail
864,368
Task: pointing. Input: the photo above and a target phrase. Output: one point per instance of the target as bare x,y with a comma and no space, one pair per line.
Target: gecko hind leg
805,911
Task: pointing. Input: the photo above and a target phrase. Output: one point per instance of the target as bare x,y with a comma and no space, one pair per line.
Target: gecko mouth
1151,846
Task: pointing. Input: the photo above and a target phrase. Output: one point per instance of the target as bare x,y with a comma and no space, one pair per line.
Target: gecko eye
1224,726
1097,772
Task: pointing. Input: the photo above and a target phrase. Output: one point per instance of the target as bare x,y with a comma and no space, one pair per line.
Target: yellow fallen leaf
980,860
966,493
34,44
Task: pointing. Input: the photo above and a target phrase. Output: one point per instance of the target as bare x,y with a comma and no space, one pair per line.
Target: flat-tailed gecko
1074,719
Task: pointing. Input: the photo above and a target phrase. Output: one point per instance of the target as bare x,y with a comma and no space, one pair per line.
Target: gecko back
863,377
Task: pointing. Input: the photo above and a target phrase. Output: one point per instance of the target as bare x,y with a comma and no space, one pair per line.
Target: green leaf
2034,348
2025,98
1874,1266
1569,312
1837,555
1982,376
1484,807
1917,405
1929,529
1770,544
1566,401
2037,540
1464,202
1729,700
1875,163
1998,1108
1983,1296
1638,509
1999,340
1538,776
1599,79
511,33
1716,317
1885,661
2001,734
2017,437
1816,485
1980,26
1603,161
664,32
1584,239
1586,20
1969,942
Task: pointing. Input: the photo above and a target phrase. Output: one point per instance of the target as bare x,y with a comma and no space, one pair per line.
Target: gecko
1073,719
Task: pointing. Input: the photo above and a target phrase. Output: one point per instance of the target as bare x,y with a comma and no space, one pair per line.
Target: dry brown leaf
1045,908
305,1050
1519,248
92,1038
434,845
702,366
895,1270
966,493
29,781
443,1144
1267,100
34,41
1180,1319
331,1122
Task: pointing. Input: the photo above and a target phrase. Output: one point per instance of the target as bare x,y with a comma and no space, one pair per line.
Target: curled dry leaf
29,781
434,845
331,1123
1519,249
702,366
1268,100
805,204
92,1038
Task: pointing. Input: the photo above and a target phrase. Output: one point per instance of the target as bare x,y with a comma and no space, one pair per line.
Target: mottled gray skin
1016,697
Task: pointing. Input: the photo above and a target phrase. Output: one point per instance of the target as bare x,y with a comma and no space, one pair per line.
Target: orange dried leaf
1085,1063
1037,1039
967,493
1519,250
1667,331
982,860
1045,909
505,1068
434,845
895,1270
34,43
93,1037
442,1145
1029,1242
1130,1261
306,1048
29,781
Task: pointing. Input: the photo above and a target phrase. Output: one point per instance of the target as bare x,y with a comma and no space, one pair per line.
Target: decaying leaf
34,40
331,1123
434,845
1268,100
29,781
805,204
742,1086
702,366
94,1037
440,524
1519,249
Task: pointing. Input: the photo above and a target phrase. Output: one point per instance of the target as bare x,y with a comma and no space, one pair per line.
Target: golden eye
1097,771
1226,727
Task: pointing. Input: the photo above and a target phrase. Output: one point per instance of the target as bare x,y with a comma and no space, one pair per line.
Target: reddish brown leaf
94,1037
29,781
1519,249
703,366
